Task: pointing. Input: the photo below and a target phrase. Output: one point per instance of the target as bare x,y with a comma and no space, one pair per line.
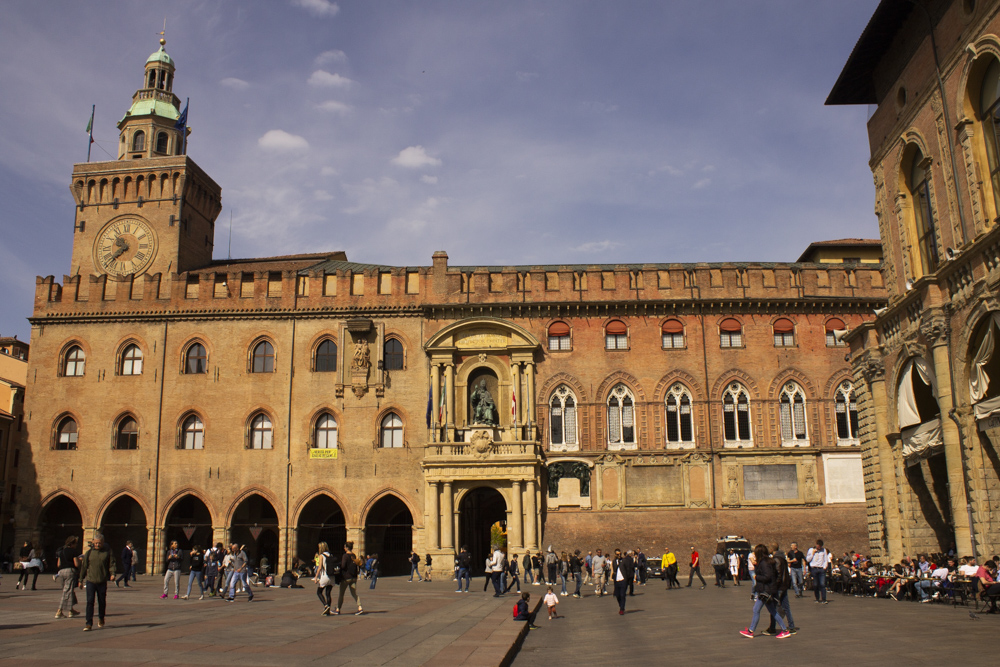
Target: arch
479,510
794,374
138,141
519,337
194,357
621,377
177,495
162,142
123,518
263,356
59,518
553,381
393,354
324,355
735,375
129,359
126,432
688,380
834,381
246,493
389,532
320,519
66,432
73,360
324,490
253,522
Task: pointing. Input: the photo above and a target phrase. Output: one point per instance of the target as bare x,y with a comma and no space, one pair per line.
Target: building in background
13,377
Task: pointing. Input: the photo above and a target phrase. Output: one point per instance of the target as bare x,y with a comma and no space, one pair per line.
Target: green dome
160,57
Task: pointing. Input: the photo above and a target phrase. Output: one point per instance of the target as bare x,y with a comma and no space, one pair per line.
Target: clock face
125,247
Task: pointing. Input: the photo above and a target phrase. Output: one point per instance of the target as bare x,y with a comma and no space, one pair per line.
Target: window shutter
673,327
730,325
616,327
783,326
559,329
835,324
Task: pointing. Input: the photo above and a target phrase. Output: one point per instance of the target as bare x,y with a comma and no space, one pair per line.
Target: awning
673,327
922,441
559,329
979,381
730,325
986,408
906,402
616,327
783,326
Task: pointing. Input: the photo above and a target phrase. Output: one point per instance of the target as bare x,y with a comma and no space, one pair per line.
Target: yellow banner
323,453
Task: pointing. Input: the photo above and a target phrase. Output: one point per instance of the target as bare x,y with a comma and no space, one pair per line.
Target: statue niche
483,386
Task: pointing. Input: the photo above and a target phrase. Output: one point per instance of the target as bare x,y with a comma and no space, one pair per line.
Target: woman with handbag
766,590
322,578
31,564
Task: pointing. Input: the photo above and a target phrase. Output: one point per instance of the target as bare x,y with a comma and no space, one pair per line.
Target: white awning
906,402
979,381
920,442
986,408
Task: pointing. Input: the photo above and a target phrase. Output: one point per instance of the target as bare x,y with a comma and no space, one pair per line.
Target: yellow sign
323,453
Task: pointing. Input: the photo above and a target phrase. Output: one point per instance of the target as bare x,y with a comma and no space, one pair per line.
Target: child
551,601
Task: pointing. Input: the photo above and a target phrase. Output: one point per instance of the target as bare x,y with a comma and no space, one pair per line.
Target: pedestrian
348,578
227,570
784,583
587,571
241,574
796,563
212,571
597,564
551,601
513,571
464,564
766,590
522,611
173,571
415,566
719,565
196,571
536,566
135,560
818,558
496,570
622,571
324,578
641,563
734,566
752,567
576,569
69,561
126,566
551,566
31,565
427,567
671,570
95,568
488,571
374,571
664,564
526,564
695,569
563,566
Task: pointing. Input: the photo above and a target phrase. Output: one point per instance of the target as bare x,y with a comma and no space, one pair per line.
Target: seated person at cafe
937,577
987,576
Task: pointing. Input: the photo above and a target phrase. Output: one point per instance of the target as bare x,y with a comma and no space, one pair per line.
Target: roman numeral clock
125,247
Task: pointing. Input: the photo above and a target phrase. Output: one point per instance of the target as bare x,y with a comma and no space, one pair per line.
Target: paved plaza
419,623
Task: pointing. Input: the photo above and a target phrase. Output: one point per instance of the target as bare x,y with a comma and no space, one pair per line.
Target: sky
513,132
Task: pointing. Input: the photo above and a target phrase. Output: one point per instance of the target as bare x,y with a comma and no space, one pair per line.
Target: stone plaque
770,482
481,338
697,483
609,485
654,485
845,481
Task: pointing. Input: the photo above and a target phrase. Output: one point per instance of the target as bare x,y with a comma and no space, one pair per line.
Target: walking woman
734,566
766,590
31,564
324,583
69,561
374,571
197,571
212,571
349,578
173,571
563,566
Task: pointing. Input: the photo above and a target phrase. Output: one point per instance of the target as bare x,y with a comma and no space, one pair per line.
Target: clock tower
153,209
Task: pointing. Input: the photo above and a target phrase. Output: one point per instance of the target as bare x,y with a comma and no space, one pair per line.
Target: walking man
464,563
695,569
513,571
622,571
173,571
96,570
241,573
597,564
576,568
818,559
415,566
126,572
796,561
641,563
551,560
496,569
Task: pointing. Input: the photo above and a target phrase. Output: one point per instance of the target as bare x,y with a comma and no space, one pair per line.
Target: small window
193,433
846,407
127,434
616,336
672,335
392,431
263,358
326,432
139,141
559,336
736,414
730,333
260,432
131,361
834,325
196,359
67,435
792,409
679,427
784,333
161,142
326,357
75,360
392,358
621,417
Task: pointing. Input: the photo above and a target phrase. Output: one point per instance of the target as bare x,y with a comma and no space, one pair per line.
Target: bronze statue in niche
484,408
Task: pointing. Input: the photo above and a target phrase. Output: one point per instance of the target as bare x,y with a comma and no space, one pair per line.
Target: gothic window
161,142
833,325
730,333
139,141
67,434
261,432
74,362
846,407
678,406
792,412
195,359
392,355
784,332
262,358
672,335
131,363
127,434
391,431
989,112
923,215
621,417
616,336
326,432
562,419
193,433
736,414
559,336
326,357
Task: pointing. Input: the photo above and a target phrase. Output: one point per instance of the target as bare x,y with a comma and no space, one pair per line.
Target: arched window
833,325
262,358
792,412
261,432
736,414
616,336
673,335
621,417
131,363
784,332
161,142
193,433
989,112
730,333
127,434
562,419
67,434
923,215
326,357
139,141
847,414
559,336
679,427
195,359
74,362
392,431
326,432
392,355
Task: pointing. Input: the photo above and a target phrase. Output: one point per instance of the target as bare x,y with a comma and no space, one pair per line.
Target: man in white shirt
597,565
818,558
496,568
937,577
968,567
622,572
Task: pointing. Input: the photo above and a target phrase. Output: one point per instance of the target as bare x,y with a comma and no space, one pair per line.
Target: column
447,519
155,551
529,402
449,400
875,375
515,378
433,517
515,533
286,547
531,517
435,396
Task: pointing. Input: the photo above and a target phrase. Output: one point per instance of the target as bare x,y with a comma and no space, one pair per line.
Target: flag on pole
90,129
430,407
513,408
183,118
443,409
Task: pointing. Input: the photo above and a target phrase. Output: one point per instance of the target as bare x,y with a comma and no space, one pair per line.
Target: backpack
332,566
515,610
464,560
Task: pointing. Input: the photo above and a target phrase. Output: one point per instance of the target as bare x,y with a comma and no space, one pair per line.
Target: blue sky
515,132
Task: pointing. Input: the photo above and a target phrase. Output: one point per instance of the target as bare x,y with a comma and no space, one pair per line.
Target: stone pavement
404,624
694,627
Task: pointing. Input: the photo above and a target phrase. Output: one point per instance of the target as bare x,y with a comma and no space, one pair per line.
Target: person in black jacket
513,571
126,566
522,611
766,588
784,583
622,572
576,569
349,578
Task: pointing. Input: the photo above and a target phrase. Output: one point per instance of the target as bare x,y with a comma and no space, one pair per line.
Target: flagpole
184,131
90,130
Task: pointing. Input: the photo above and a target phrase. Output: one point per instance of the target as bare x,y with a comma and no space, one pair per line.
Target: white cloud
318,7
428,179
527,76
415,157
597,246
279,140
703,183
322,195
233,82
328,57
411,226
323,79
333,106
328,171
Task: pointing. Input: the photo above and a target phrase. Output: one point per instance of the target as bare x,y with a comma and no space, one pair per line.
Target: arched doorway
321,520
389,533
124,521
188,523
59,519
255,526
482,522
